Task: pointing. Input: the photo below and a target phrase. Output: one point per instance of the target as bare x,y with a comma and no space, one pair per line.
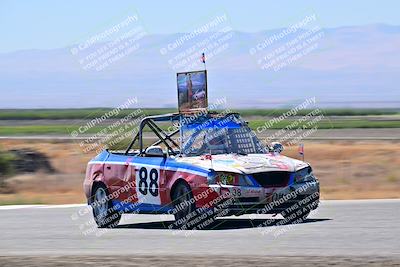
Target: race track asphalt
368,230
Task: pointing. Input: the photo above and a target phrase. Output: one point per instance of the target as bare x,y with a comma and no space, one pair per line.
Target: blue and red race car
210,164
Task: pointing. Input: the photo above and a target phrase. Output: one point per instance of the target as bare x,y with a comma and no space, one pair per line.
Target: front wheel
184,205
103,210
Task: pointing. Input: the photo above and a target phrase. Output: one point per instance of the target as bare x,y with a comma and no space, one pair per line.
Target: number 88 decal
150,186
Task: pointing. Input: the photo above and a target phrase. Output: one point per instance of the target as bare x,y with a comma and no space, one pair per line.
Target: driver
215,140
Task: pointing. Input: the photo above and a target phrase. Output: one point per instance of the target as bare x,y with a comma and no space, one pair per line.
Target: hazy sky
45,24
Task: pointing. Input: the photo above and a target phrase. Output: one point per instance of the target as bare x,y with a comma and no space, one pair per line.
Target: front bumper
245,200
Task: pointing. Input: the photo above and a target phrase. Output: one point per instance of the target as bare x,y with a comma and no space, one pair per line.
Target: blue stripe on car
170,163
132,207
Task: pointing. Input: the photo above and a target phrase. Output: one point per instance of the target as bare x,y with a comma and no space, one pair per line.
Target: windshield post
180,135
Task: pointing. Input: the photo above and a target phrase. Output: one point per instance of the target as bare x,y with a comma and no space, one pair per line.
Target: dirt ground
346,170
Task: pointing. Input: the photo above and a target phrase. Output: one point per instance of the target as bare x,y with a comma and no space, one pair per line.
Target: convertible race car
210,164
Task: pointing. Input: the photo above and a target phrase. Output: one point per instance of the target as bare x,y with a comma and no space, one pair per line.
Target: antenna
211,159
301,151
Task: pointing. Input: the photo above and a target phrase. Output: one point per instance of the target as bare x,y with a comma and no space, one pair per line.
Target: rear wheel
103,210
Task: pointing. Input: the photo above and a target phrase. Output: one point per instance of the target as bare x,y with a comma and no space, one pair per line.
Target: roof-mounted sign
192,91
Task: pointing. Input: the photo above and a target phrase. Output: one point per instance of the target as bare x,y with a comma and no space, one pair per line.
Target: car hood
251,163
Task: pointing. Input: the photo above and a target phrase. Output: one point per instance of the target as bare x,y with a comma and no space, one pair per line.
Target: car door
149,180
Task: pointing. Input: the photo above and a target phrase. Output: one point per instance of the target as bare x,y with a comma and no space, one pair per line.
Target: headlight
304,175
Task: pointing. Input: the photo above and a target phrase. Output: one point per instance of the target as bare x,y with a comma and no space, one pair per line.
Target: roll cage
166,137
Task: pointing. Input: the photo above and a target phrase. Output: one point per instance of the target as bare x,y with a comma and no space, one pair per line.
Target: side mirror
154,151
276,147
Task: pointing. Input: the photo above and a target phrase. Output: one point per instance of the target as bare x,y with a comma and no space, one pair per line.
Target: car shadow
219,224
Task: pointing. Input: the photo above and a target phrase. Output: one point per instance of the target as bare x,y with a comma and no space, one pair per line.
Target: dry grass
351,170
346,170
65,186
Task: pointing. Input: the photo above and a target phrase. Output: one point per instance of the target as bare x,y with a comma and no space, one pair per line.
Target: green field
254,124
332,119
90,113
87,113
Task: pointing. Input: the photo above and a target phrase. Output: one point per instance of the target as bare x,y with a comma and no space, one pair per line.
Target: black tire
184,204
104,213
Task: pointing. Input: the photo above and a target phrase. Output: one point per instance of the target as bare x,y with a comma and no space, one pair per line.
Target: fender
94,173
197,183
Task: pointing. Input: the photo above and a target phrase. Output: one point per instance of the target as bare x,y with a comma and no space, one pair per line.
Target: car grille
272,179
248,199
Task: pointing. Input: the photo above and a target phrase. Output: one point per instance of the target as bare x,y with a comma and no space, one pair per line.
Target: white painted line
63,206
345,201
14,207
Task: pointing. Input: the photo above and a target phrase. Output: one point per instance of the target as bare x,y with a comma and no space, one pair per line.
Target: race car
205,165
199,95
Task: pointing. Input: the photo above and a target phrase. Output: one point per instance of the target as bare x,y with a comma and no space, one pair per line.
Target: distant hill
351,67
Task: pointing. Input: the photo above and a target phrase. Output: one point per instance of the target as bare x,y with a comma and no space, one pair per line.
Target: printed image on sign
148,185
192,90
